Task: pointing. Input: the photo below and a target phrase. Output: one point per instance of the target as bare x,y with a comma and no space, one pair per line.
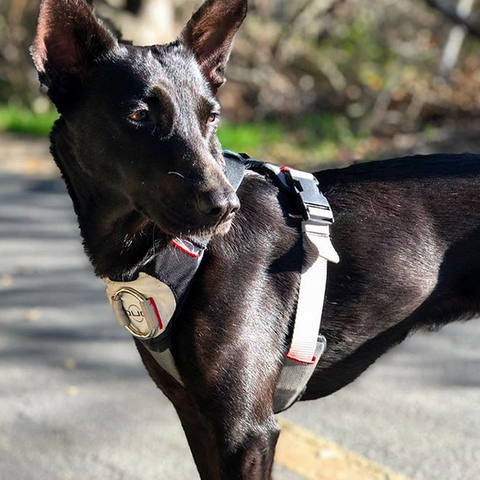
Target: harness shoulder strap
307,345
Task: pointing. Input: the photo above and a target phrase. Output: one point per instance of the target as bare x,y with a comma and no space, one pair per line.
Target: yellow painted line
315,458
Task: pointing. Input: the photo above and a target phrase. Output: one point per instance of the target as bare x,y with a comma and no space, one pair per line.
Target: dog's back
408,233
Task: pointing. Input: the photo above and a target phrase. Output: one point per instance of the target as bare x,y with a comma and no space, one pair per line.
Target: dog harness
148,305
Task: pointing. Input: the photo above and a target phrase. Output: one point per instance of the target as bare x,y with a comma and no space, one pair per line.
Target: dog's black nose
218,204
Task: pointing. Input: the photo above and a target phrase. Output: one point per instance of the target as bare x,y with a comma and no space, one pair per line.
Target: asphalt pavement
76,402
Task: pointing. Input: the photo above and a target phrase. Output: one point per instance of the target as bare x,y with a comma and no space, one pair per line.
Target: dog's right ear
68,39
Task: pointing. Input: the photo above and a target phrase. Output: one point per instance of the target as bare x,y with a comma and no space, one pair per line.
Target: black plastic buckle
302,186
312,204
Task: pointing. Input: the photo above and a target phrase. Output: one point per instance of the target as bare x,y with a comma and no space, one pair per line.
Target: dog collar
148,305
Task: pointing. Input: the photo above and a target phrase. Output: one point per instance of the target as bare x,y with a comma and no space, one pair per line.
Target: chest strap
148,305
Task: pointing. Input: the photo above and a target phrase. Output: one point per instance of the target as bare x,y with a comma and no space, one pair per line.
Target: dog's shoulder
263,227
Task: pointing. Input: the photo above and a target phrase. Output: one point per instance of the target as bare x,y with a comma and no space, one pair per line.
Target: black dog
136,145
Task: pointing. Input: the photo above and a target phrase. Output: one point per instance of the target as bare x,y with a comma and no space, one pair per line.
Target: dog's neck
117,238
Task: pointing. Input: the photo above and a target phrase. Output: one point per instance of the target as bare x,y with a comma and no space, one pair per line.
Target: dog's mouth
177,226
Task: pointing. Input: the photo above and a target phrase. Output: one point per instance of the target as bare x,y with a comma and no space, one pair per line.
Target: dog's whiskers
153,240
176,173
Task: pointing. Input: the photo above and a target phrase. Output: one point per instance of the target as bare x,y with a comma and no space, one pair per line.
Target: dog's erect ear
68,38
209,34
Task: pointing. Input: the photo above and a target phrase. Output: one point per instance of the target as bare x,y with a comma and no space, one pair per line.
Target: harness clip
313,205
141,318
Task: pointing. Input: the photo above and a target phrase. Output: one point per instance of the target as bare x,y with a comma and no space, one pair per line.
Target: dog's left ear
209,34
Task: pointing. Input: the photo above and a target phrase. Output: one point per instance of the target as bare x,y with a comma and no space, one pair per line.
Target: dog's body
140,158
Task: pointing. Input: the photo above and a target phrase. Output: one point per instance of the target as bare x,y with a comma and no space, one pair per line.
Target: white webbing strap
166,361
307,346
318,249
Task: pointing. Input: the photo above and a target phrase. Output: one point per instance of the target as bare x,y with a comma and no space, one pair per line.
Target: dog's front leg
235,396
250,456
231,435
201,440
199,432
245,438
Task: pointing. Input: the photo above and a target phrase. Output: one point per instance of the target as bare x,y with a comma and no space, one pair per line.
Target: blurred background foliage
311,80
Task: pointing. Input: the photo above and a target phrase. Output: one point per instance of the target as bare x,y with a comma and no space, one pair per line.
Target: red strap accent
154,305
314,358
183,249
283,168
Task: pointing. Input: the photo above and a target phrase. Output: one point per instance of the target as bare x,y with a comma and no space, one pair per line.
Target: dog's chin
175,230
223,228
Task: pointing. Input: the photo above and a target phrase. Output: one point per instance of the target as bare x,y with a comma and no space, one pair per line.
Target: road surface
76,403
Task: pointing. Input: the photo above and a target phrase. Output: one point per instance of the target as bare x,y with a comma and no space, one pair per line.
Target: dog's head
144,119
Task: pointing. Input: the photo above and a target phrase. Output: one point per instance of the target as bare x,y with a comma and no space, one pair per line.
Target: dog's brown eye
139,115
214,116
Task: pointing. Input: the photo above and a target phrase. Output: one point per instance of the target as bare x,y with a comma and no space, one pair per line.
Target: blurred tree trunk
145,22
456,38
